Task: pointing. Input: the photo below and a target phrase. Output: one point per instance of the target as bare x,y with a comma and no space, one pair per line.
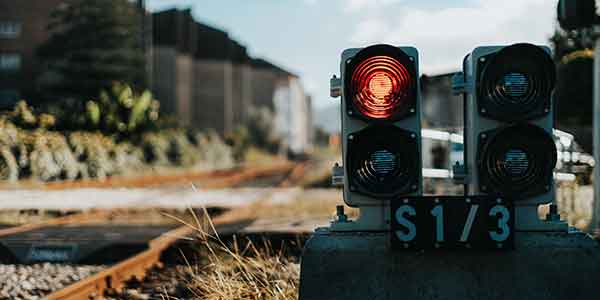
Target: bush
31,146
92,150
261,130
9,170
122,111
240,142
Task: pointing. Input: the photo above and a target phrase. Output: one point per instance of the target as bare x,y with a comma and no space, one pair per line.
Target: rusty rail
115,277
250,174
234,174
222,179
71,219
296,174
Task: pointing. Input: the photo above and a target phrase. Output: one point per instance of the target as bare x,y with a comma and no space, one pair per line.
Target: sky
307,37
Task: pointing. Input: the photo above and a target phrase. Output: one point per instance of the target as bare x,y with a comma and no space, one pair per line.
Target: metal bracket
371,218
337,175
459,174
335,87
340,216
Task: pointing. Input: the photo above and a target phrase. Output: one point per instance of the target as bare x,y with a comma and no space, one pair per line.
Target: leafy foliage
120,110
574,90
31,148
261,129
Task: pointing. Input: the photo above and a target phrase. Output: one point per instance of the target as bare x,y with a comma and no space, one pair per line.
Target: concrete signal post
486,244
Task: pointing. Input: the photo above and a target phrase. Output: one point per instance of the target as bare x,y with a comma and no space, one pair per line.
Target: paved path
139,198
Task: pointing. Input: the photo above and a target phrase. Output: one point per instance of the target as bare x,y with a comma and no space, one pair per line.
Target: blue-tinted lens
382,162
514,85
516,162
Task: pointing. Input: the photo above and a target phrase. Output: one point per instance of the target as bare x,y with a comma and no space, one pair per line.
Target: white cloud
361,5
445,35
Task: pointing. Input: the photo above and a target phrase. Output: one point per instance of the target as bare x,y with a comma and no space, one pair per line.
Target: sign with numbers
452,222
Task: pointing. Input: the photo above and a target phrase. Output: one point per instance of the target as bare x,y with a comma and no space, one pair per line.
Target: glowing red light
380,87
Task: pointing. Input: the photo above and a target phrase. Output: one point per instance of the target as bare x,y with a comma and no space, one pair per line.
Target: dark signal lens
515,163
378,166
381,87
518,160
516,83
383,161
514,86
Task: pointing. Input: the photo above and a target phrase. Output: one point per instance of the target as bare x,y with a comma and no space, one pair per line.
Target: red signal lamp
382,83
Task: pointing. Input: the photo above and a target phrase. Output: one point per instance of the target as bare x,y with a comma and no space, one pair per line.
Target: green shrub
92,150
240,142
261,130
9,169
116,134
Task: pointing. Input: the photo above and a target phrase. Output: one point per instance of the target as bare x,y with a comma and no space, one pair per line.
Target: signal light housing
382,83
382,161
576,14
516,161
381,125
509,149
515,83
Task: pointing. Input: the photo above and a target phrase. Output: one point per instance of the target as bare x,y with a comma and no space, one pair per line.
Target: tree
574,89
93,43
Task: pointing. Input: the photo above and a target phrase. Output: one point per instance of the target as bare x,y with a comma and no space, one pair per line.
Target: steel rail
114,278
296,174
222,179
247,175
70,219
239,173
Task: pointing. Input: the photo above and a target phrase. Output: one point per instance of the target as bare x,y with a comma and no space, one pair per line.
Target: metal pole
596,213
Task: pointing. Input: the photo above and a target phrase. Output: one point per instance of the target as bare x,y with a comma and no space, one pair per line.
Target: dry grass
241,270
245,274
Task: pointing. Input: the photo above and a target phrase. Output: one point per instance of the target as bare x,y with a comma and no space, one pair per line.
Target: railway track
70,219
115,277
211,179
69,233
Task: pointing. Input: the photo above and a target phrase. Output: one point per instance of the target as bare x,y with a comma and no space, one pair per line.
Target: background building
293,115
22,29
441,109
207,80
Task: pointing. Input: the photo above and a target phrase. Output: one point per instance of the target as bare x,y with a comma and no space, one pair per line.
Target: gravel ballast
20,282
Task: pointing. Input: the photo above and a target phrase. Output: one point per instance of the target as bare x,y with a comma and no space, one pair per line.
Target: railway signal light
381,129
576,14
510,150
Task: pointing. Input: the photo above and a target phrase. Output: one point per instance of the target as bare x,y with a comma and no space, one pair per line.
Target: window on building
10,62
10,29
8,98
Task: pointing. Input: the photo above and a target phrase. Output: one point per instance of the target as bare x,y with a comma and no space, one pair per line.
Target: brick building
22,29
